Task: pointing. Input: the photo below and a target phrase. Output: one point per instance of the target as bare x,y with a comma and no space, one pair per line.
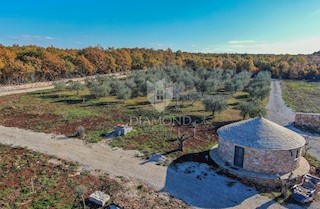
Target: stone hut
261,151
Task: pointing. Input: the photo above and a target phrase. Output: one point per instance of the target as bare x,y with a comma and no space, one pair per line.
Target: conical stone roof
261,133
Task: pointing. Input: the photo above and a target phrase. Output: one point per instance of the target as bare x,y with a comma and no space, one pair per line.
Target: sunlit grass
302,96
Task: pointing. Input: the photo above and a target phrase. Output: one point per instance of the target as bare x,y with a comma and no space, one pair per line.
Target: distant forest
23,64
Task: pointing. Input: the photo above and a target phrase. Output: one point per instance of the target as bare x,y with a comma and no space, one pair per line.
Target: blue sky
246,26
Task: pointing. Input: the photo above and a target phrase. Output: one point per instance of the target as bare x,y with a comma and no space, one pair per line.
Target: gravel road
31,87
212,191
277,110
4,93
280,113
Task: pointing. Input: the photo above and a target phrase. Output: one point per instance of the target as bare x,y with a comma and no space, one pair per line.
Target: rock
74,174
99,198
54,161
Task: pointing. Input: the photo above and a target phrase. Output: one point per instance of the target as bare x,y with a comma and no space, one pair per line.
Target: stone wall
308,120
226,150
4,88
261,160
271,161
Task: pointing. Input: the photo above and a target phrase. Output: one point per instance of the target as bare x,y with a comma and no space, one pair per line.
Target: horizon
218,27
111,47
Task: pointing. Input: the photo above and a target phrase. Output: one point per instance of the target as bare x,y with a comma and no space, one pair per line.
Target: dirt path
211,192
280,113
277,110
4,93
24,88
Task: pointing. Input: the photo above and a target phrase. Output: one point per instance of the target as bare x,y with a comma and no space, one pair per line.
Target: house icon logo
159,94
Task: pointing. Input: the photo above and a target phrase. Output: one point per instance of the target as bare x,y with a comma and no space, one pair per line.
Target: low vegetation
36,181
302,96
203,98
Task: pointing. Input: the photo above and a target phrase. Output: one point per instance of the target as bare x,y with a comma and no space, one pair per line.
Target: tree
215,104
259,87
182,138
76,86
190,97
238,82
285,184
22,64
178,89
137,83
59,85
123,92
98,90
115,84
251,109
80,191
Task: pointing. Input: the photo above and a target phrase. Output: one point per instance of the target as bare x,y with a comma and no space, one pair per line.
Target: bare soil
55,184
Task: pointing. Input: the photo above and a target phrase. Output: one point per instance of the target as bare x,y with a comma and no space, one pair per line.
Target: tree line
23,64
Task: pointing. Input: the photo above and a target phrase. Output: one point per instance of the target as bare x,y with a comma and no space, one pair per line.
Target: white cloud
161,45
157,44
32,38
242,42
294,46
298,46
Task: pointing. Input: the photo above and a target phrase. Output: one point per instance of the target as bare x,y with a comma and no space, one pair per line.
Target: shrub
80,132
59,85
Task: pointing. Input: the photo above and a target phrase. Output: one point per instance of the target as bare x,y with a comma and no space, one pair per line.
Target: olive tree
138,84
251,109
59,86
98,90
259,87
238,82
215,103
76,86
123,92
178,89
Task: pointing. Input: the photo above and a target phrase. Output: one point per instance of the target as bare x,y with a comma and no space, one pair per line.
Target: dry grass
63,112
302,96
54,186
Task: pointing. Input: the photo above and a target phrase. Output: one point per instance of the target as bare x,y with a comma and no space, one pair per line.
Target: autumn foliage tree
22,64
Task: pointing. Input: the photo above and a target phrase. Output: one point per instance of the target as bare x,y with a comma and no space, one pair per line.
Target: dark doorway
238,156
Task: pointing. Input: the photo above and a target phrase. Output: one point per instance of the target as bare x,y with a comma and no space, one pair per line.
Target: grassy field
55,187
302,96
50,111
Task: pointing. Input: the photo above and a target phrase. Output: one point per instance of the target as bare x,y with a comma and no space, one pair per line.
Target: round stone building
261,151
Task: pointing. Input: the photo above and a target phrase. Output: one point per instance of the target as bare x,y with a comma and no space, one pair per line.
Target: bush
59,85
80,132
